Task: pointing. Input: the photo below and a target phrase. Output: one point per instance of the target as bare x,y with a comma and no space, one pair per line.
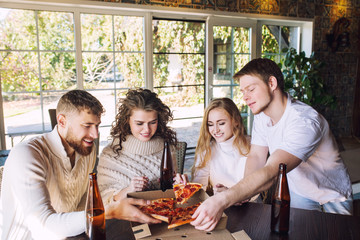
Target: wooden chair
52,114
180,156
3,156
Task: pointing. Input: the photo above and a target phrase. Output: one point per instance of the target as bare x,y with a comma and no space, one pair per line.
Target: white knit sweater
136,158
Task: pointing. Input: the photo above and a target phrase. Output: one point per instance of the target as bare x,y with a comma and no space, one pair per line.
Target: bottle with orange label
95,212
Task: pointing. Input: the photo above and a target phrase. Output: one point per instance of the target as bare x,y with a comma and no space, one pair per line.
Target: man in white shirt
45,179
293,133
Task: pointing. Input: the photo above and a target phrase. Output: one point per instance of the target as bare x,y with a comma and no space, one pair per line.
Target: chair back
180,156
52,114
3,156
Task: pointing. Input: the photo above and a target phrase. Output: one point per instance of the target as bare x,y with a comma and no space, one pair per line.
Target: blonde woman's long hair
203,150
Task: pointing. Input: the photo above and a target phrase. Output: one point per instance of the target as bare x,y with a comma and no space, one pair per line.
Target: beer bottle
95,212
280,205
166,169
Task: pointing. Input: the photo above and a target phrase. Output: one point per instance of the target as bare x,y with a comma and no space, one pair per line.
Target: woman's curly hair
146,100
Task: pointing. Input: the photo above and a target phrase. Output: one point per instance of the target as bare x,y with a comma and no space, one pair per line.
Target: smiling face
81,131
256,93
220,125
143,124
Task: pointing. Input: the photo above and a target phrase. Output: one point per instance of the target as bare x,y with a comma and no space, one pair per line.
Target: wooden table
254,218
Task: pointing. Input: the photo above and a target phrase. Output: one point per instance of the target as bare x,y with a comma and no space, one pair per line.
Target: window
275,38
37,65
231,53
112,60
48,49
179,71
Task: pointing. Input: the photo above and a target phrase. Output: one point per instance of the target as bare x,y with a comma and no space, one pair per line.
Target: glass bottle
95,212
280,205
166,169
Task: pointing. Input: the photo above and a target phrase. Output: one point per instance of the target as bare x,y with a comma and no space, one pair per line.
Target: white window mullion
149,83
78,51
209,61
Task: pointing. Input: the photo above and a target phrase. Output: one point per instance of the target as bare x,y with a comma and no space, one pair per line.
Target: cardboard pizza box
160,231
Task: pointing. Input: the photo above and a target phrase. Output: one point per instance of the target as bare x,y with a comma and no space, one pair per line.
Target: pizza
162,208
184,192
182,216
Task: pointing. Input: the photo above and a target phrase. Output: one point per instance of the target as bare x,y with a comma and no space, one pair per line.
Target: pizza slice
182,216
162,208
184,192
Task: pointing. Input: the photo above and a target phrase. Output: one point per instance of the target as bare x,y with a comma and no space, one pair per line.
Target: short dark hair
263,68
79,100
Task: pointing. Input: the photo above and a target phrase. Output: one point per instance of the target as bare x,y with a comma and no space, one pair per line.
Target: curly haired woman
131,162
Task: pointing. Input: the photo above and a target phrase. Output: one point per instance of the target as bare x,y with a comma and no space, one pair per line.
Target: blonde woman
221,149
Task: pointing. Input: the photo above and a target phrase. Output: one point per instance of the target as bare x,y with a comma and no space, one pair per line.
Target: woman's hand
181,178
138,184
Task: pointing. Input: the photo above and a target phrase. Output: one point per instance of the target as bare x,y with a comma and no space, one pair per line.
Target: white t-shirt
304,133
226,165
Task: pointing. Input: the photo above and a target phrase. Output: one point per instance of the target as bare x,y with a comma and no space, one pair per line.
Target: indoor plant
303,79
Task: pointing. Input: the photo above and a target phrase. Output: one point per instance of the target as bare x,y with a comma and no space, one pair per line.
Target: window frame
211,18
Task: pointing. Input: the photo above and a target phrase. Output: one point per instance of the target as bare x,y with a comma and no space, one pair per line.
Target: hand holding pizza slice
183,192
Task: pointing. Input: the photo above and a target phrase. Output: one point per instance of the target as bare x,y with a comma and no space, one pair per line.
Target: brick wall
341,66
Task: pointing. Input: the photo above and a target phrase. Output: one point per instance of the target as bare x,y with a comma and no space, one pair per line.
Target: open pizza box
161,231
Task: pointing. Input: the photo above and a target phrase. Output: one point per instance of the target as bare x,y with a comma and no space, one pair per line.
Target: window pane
178,69
56,31
179,64
19,71
98,69
17,108
128,33
58,70
270,41
17,29
106,97
96,32
276,38
129,70
178,36
185,100
221,92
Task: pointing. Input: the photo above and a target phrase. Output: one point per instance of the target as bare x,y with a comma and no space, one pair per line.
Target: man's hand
125,209
208,213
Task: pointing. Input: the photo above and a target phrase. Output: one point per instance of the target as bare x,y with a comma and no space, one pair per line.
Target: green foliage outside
113,53
303,79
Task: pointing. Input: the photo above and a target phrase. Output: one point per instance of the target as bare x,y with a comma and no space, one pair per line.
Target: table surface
254,218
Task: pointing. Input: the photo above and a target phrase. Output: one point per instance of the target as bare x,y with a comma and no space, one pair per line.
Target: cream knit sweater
43,197
136,158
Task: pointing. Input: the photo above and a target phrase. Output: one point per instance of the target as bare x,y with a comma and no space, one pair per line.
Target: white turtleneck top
226,166
136,158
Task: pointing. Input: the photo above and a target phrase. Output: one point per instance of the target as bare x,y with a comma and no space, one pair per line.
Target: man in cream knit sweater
45,179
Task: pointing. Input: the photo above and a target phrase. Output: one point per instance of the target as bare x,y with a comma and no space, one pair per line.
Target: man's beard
78,147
